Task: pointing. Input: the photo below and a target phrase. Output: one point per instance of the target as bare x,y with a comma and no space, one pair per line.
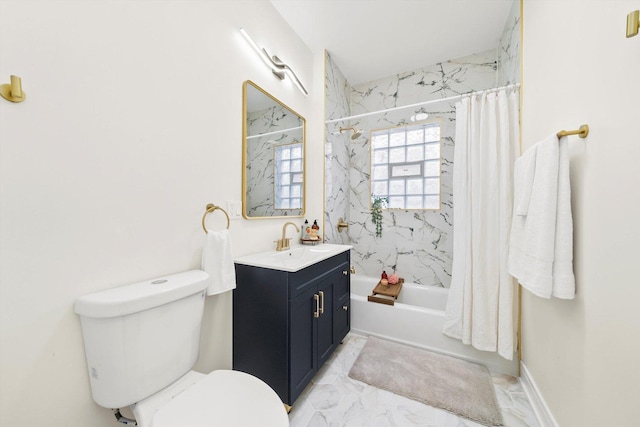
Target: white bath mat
455,385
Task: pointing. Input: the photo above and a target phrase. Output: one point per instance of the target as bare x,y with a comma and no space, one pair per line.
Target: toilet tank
140,338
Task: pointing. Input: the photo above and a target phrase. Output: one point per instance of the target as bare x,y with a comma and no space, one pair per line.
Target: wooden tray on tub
386,294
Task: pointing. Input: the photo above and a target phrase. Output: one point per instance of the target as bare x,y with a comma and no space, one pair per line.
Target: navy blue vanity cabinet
287,324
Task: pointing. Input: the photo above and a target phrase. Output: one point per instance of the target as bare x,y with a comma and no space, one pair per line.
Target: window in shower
405,166
288,176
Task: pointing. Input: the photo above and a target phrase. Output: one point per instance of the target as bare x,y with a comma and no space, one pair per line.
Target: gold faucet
283,244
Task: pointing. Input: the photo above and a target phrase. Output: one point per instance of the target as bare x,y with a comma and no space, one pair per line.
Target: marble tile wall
509,49
337,93
417,244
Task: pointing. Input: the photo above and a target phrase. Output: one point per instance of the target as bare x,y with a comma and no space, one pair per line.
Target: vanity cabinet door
326,341
303,357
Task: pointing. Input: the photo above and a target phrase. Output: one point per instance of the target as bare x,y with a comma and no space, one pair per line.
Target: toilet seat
224,398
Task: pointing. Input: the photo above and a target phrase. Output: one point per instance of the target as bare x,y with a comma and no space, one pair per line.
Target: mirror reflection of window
405,166
288,176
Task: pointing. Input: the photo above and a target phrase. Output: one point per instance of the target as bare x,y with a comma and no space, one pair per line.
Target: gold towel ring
210,208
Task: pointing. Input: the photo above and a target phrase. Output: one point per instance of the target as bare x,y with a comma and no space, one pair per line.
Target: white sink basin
294,259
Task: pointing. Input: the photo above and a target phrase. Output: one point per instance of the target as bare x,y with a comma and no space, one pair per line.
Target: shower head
356,132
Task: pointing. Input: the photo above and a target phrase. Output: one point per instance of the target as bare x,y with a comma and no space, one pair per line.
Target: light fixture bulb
278,67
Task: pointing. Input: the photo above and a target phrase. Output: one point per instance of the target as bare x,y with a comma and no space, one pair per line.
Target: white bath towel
541,241
217,260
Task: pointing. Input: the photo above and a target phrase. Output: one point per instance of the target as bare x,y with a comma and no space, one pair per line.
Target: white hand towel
541,241
217,260
564,283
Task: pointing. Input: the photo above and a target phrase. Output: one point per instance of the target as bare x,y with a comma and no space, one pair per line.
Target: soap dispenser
305,232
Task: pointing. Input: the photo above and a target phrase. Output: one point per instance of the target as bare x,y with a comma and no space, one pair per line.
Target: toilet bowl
221,398
141,342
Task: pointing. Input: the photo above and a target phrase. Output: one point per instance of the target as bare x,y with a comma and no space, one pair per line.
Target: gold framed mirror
273,156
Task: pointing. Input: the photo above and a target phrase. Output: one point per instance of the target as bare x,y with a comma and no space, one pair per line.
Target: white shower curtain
481,306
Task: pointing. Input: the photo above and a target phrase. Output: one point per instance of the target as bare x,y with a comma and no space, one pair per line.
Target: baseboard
540,408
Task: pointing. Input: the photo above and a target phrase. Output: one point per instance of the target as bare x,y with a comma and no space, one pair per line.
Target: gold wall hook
13,91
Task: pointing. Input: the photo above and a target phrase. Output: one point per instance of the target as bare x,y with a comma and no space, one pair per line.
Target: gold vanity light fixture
279,68
13,91
633,23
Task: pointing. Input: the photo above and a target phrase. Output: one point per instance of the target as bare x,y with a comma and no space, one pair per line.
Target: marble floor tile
332,399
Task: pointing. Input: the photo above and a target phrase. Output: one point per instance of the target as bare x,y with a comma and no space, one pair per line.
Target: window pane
415,136
285,179
431,186
381,172
415,153
285,166
285,153
397,139
406,169
432,133
379,188
380,141
295,191
397,155
284,204
297,177
432,151
380,156
431,168
431,202
296,151
414,186
414,202
284,191
296,165
296,204
396,202
396,187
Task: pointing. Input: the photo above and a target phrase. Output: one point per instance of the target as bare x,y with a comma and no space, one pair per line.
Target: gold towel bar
582,132
210,208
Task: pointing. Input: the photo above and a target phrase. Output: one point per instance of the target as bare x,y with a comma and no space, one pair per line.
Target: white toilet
141,342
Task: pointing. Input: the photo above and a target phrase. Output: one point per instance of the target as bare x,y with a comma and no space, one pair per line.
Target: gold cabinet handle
321,302
317,299
345,272
353,270
345,307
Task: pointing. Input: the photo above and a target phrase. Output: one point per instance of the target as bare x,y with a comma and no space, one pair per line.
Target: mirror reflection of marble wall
270,126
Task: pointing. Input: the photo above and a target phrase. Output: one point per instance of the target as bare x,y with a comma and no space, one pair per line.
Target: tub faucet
283,244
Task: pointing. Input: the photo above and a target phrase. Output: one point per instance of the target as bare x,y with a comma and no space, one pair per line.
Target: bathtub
416,319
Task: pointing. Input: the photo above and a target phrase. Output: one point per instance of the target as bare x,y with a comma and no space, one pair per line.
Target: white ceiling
371,39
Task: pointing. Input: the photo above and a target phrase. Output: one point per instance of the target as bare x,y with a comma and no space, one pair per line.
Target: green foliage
377,204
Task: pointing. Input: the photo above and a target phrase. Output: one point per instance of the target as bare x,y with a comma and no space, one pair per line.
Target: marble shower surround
415,243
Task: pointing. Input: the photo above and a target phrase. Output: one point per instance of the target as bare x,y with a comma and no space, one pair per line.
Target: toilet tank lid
141,296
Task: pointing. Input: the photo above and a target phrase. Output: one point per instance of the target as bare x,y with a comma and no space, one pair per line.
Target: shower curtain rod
419,104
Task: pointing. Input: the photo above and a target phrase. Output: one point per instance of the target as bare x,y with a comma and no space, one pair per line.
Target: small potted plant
377,204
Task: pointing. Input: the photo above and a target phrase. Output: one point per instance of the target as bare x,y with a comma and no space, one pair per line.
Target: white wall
580,68
132,124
